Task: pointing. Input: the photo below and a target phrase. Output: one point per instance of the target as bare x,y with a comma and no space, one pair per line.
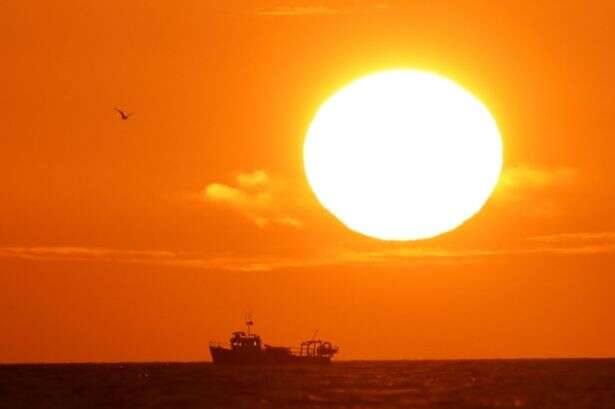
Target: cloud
83,253
536,186
254,198
404,256
215,262
571,244
254,179
228,262
317,10
516,179
584,242
575,237
293,11
575,243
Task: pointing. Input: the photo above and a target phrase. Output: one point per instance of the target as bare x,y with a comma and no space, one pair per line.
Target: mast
249,322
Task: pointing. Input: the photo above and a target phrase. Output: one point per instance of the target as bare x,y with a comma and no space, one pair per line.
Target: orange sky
113,246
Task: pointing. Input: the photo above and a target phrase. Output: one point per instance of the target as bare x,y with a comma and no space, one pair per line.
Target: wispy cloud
84,253
404,256
204,261
535,186
517,179
318,10
254,197
572,244
578,242
253,180
293,11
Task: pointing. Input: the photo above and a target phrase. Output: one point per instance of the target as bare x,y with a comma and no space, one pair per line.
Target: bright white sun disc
403,155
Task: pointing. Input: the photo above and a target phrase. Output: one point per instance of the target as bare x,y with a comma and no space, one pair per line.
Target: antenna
249,321
314,335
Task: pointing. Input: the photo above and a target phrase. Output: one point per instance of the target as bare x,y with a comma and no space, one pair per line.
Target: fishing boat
246,348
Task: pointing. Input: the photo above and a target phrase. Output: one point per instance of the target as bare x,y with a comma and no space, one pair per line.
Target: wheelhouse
245,341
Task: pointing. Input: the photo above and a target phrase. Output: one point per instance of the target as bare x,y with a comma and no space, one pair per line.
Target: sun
403,155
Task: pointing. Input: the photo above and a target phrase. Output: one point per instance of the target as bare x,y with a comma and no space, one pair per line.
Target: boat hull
226,356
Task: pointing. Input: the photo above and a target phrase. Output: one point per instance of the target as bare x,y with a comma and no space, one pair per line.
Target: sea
567,383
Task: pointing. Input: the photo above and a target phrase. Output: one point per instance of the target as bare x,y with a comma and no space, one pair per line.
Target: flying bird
124,115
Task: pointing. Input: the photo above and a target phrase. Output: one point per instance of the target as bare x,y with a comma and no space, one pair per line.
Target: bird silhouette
124,115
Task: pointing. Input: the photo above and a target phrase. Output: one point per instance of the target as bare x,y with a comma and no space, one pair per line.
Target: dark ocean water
571,384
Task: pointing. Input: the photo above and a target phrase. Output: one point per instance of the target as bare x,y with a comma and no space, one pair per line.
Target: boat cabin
245,341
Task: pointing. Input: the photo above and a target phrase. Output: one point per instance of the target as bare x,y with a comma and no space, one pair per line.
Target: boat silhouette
246,348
